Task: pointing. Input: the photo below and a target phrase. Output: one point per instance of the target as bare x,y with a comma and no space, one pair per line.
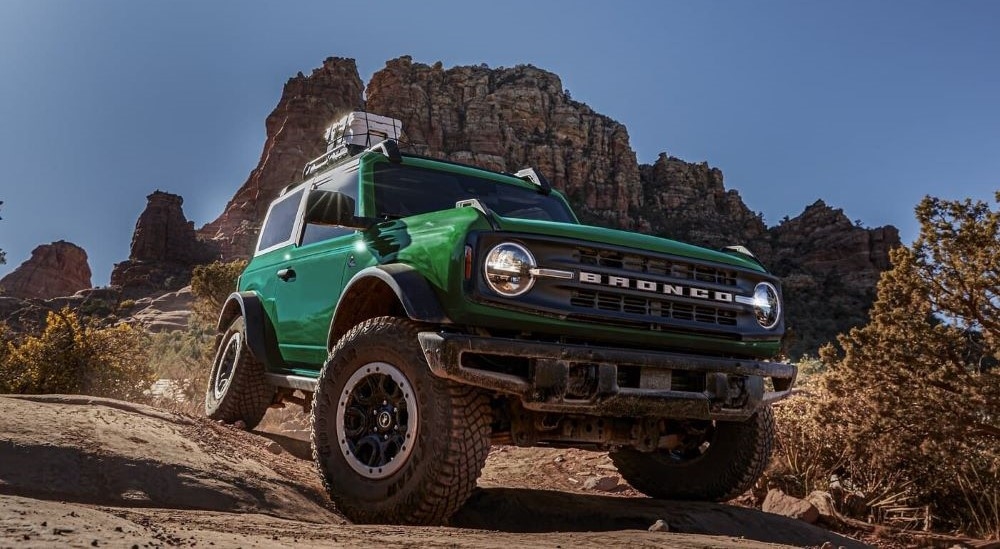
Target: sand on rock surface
91,472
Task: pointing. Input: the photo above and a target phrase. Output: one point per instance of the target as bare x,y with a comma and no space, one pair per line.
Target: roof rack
353,134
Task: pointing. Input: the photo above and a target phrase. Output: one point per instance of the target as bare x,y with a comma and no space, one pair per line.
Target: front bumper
580,379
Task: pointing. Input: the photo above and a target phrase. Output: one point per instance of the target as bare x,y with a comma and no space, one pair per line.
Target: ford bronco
421,310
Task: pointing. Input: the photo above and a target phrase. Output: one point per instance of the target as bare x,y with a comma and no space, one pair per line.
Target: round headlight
507,269
766,305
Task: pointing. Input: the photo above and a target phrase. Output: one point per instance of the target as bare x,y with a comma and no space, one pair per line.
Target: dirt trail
81,471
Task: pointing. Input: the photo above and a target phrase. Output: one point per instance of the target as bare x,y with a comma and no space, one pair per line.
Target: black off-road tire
246,395
449,426
736,456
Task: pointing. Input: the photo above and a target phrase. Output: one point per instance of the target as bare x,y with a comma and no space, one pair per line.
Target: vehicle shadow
518,510
300,449
523,510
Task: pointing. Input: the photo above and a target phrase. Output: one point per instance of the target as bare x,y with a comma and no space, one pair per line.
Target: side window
280,221
343,181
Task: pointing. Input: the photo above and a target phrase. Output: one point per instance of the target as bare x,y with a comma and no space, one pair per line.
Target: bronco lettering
658,287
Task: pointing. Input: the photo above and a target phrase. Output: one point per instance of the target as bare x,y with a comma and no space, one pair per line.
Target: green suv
420,310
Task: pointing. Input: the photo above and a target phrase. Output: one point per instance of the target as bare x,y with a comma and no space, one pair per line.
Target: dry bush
184,358
907,411
211,284
806,456
74,356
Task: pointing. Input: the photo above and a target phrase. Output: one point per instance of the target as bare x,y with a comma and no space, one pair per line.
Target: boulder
168,312
601,484
659,526
780,503
825,506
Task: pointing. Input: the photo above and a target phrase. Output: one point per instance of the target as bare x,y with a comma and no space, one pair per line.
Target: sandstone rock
828,264
510,118
601,484
823,240
659,526
53,270
168,312
308,105
780,503
824,504
163,233
689,202
164,249
274,447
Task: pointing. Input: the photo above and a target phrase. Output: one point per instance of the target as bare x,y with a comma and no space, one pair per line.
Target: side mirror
333,208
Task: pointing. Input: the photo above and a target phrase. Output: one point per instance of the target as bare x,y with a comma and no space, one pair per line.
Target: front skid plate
444,355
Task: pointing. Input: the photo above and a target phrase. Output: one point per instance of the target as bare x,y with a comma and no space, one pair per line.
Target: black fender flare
414,292
261,339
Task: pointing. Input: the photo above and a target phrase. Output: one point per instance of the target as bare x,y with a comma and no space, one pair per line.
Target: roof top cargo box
361,130
352,134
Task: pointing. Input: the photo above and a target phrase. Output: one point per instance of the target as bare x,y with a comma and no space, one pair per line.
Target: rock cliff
164,249
509,118
829,267
689,202
308,105
823,240
53,270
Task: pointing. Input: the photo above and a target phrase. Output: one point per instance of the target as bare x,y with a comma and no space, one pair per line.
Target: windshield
402,191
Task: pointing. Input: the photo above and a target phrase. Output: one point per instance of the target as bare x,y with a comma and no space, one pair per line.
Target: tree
915,394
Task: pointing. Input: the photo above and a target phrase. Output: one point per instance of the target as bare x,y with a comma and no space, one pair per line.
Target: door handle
287,275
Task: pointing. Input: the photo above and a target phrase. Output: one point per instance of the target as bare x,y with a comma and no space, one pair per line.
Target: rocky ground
89,472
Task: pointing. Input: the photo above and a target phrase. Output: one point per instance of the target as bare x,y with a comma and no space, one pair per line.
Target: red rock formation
54,270
823,240
829,268
163,233
508,119
308,105
164,249
689,202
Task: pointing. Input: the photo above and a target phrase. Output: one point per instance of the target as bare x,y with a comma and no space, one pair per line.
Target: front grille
656,308
640,264
634,289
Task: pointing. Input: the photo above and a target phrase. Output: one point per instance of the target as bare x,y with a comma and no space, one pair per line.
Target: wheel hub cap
376,420
228,358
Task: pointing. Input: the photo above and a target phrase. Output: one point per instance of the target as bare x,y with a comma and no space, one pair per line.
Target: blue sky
867,105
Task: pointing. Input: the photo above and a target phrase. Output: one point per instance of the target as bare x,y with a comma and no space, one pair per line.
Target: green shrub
211,284
184,358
